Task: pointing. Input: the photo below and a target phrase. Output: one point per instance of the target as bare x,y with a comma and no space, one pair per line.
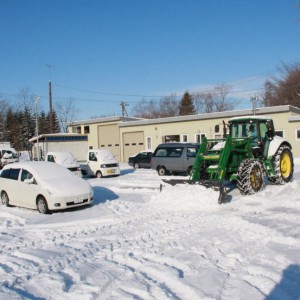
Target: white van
7,156
100,163
65,159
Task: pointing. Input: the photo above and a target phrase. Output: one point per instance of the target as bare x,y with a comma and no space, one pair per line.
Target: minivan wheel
99,174
42,205
162,171
4,199
190,171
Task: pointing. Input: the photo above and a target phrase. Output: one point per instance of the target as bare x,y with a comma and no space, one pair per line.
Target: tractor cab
260,131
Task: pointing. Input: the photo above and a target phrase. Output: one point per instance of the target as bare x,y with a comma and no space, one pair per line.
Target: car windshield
49,171
9,154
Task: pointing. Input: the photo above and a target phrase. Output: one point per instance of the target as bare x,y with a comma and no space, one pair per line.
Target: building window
171,138
86,129
78,129
199,137
297,132
279,133
184,138
149,143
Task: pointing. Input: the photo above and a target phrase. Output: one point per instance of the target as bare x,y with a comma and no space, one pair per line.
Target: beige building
101,132
127,136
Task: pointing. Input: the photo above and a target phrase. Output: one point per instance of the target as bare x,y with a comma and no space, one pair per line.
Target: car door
28,189
190,156
11,187
143,159
92,164
176,159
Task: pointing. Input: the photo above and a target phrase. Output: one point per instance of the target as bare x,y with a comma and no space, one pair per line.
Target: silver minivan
171,158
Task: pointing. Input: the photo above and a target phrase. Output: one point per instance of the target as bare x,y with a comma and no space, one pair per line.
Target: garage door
133,142
109,138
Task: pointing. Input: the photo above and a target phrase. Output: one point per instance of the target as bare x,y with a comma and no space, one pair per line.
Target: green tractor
249,152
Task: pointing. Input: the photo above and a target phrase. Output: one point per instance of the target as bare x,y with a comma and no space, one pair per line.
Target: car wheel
190,171
4,199
42,205
136,165
162,171
99,174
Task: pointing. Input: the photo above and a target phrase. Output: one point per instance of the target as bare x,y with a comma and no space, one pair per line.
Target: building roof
294,119
215,115
103,120
42,137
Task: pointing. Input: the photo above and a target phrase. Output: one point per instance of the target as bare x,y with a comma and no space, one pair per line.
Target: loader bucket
216,185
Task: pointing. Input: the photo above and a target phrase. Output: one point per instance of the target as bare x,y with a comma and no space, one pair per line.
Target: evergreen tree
43,123
55,122
9,126
186,106
28,127
14,128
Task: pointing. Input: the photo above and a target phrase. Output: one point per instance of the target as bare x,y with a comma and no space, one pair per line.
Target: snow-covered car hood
106,157
71,186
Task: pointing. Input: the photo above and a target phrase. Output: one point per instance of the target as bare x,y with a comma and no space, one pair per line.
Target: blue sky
105,52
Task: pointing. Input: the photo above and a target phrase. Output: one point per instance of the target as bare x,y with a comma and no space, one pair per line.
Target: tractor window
239,130
263,130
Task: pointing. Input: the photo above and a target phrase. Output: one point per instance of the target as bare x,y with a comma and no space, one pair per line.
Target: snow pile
136,242
186,197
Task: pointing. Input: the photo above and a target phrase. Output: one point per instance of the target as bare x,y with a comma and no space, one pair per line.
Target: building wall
156,130
191,128
111,142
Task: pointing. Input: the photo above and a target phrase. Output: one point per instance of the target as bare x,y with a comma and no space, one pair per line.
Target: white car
65,159
44,186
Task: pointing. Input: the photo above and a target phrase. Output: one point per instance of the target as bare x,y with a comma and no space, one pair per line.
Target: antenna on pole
50,99
123,107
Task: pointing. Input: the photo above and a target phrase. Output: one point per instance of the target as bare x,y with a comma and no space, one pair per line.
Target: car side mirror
29,181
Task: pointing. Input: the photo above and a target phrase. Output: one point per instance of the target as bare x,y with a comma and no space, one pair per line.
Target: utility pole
123,106
254,101
36,99
50,100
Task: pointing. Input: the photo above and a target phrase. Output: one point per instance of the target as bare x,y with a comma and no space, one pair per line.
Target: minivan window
10,173
25,175
161,152
169,152
175,152
191,152
5,173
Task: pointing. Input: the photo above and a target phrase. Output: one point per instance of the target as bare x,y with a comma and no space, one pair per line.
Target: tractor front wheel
250,177
283,166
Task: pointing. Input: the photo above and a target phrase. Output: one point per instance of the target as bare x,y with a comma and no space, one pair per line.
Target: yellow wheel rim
285,165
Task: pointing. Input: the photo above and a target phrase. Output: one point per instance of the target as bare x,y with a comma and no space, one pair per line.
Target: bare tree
169,106
221,103
26,99
66,112
284,90
214,100
166,107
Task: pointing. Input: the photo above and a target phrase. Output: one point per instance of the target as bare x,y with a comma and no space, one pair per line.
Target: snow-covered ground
136,242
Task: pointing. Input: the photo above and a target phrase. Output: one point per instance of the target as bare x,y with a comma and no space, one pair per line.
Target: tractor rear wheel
250,177
283,166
